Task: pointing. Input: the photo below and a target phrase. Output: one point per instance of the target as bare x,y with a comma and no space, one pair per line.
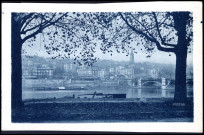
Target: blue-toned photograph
93,67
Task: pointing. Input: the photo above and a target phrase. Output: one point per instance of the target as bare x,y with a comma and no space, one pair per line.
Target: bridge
163,82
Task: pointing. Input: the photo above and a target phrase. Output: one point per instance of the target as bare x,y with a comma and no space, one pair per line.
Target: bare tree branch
24,19
159,47
26,23
143,26
39,25
162,40
41,28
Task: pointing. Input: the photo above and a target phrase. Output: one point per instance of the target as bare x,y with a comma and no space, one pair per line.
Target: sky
157,57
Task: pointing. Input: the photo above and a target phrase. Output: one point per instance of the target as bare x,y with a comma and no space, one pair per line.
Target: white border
195,7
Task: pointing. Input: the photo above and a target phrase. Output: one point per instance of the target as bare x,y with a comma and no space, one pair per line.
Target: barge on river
101,95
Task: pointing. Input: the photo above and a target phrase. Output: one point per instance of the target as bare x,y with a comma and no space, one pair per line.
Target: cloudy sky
158,56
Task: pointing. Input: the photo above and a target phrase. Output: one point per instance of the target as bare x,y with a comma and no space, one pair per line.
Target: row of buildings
70,70
89,72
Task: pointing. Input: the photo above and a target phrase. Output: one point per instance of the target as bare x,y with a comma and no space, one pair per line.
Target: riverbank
87,100
128,110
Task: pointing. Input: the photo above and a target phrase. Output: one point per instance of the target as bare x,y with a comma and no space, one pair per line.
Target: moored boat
58,88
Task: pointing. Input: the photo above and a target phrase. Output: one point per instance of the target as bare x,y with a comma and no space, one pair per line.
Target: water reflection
142,92
163,93
139,93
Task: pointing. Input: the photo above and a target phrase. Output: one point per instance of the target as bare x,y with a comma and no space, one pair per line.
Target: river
142,92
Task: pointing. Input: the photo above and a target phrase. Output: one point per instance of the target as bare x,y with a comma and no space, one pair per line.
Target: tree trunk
180,94
180,20
16,75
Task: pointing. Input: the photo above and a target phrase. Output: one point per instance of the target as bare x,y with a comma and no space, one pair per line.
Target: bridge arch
151,82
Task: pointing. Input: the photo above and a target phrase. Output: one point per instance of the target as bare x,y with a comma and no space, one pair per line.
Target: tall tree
167,31
25,27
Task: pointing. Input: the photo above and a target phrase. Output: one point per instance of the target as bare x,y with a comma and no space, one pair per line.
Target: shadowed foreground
95,111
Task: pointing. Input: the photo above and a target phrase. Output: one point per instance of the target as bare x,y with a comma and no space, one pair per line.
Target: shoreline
110,100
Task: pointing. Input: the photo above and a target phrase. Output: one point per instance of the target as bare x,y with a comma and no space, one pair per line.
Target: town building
95,71
70,67
29,73
103,73
85,72
45,73
154,73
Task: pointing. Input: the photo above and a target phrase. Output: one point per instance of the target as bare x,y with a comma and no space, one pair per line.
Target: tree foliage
78,34
147,29
31,24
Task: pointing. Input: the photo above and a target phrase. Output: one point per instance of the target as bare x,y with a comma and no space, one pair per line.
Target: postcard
102,67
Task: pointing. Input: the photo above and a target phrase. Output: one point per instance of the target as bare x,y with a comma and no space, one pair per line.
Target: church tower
131,57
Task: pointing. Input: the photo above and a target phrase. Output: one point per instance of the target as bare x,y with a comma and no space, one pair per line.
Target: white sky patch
158,57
